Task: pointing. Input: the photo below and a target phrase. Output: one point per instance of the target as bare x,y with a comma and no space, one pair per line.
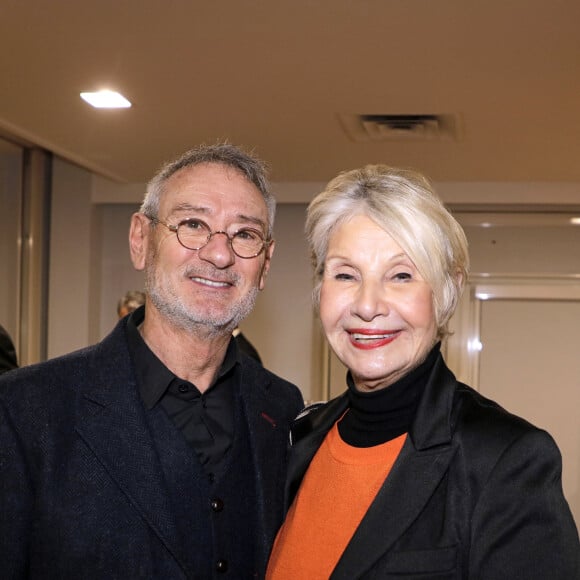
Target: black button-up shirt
206,420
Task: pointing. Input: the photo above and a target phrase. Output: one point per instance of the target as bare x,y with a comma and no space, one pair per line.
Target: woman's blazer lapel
415,476
410,485
422,463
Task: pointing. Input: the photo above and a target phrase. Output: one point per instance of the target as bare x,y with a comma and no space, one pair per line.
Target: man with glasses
161,451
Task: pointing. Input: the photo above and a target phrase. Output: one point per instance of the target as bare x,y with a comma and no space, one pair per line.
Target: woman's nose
218,250
370,301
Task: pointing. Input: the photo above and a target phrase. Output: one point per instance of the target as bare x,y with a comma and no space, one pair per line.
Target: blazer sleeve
15,501
522,526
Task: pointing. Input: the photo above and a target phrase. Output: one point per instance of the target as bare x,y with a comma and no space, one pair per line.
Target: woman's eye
343,276
402,276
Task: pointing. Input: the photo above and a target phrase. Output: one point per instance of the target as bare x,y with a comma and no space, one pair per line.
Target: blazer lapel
423,461
266,440
267,417
409,486
112,422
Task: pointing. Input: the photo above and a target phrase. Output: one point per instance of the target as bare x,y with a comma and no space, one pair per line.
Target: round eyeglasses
194,234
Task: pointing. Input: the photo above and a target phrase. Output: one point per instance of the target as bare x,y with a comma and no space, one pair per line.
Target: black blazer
247,347
84,488
475,494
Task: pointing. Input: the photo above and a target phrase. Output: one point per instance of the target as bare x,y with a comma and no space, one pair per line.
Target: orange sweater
338,488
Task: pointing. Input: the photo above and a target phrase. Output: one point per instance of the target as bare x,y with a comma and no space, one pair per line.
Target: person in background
245,345
410,473
159,453
130,301
8,360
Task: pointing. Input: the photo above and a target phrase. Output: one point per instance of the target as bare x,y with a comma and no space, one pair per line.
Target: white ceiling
275,75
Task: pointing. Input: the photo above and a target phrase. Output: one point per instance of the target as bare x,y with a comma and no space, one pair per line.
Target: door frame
461,349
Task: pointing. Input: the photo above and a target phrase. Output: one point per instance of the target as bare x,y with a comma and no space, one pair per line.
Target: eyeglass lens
194,234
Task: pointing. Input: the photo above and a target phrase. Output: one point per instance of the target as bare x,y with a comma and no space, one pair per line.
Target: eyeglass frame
266,243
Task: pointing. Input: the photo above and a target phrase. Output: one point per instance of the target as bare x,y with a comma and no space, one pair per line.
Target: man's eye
193,225
248,235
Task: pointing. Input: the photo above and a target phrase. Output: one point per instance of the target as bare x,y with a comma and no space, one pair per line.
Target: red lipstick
369,338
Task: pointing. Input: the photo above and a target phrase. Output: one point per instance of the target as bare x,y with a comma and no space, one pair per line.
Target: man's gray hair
250,166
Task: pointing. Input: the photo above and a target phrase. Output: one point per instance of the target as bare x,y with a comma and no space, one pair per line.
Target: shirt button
221,566
217,505
183,388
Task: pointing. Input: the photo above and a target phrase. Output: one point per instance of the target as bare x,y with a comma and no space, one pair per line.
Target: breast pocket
439,564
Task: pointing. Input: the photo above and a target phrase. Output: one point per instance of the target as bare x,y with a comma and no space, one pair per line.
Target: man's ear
266,266
139,240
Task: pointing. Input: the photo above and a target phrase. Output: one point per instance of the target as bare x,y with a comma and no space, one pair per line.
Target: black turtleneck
379,416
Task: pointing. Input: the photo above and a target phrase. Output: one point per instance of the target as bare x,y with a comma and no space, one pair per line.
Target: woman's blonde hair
403,203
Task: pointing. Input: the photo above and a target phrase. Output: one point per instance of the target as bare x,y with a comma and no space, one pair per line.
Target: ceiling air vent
400,127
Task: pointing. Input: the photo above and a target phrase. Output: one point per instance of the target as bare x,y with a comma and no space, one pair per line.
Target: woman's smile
375,307
366,338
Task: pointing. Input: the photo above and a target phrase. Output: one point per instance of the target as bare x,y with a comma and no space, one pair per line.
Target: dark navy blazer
84,491
475,494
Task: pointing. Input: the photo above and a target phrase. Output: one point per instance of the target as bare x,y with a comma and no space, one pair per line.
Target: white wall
116,270
282,326
453,193
72,258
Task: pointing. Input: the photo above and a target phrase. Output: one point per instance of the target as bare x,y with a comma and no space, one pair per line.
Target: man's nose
218,250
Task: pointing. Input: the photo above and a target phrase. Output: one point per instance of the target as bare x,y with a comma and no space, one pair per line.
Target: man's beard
170,304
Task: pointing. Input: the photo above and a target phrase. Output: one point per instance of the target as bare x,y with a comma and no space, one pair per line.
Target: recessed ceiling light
575,221
106,100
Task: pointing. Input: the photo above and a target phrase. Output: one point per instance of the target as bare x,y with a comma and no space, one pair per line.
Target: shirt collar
153,377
